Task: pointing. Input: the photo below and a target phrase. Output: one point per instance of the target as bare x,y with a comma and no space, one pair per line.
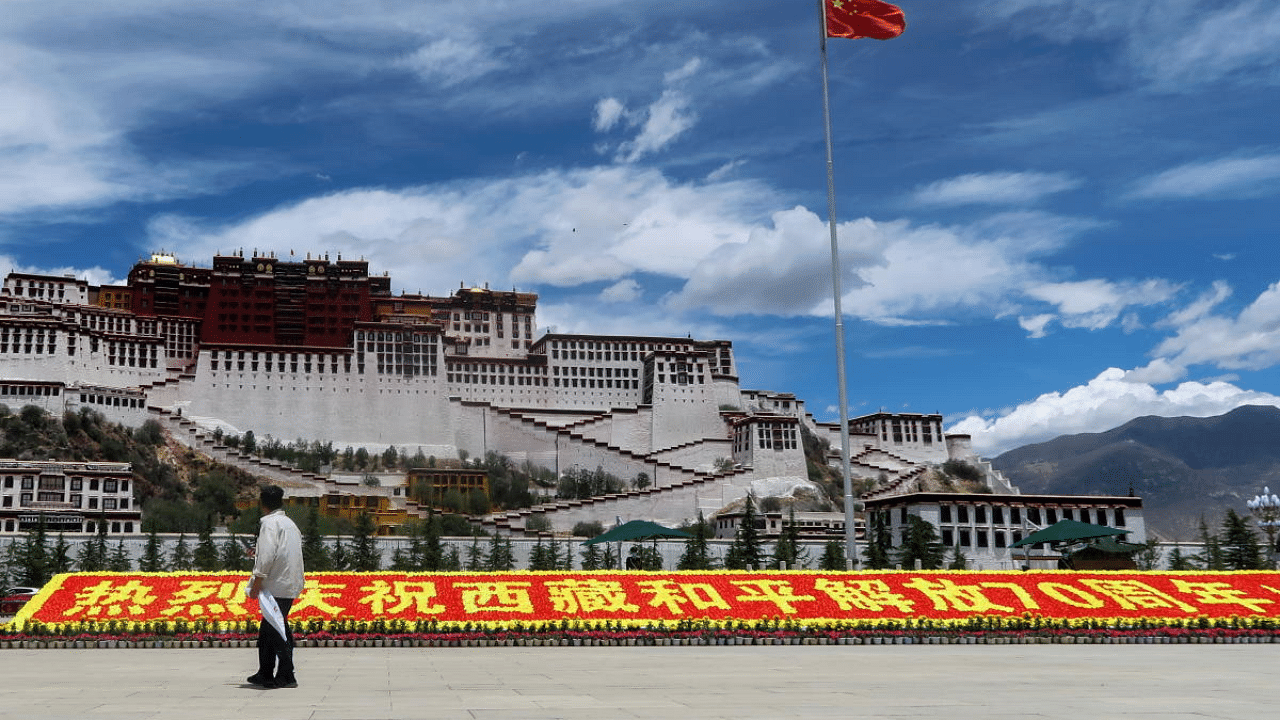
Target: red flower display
638,598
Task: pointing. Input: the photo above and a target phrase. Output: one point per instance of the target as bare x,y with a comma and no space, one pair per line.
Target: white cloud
1002,188
1173,45
1109,400
1249,341
608,112
1095,304
1035,325
450,60
1227,177
665,120
623,291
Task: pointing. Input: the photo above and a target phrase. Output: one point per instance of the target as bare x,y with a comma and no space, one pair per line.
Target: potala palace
319,349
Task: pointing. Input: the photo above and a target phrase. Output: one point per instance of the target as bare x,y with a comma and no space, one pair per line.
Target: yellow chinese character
777,592
402,594
318,595
196,597
872,595
1135,594
701,595
950,595
572,596
1220,593
1028,602
112,599
496,597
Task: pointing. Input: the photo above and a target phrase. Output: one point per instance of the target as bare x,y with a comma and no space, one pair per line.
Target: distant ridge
1182,467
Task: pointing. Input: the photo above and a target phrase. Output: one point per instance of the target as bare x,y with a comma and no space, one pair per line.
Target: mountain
1183,468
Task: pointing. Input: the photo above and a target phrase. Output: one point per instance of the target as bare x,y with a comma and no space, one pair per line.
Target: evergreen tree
475,556
1148,558
119,560
500,557
450,562
400,560
1240,547
93,554
880,542
1178,561
539,558
339,558
833,557
432,551
1210,557
591,558
206,556
364,548
958,560
233,558
60,556
152,560
180,560
920,542
33,557
788,550
745,551
609,559
650,558
696,556
315,555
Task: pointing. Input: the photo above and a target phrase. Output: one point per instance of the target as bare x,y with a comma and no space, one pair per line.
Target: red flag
864,19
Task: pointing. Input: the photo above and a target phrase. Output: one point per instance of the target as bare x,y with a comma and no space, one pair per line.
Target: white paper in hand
270,610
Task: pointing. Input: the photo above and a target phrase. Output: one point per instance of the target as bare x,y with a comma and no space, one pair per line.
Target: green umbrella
1067,531
636,530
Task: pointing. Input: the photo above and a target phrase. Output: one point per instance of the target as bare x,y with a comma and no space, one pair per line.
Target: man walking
277,572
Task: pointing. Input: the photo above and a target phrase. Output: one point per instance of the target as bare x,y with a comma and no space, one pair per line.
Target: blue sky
1056,215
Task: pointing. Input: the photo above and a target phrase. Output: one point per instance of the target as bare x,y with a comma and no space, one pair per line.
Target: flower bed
648,608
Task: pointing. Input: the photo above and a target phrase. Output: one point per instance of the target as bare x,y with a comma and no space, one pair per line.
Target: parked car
15,598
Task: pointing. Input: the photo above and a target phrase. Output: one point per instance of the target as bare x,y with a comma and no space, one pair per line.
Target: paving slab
955,682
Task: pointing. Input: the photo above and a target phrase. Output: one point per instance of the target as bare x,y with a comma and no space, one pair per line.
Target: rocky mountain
1183,468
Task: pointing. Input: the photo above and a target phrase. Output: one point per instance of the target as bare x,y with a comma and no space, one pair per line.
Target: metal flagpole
850,531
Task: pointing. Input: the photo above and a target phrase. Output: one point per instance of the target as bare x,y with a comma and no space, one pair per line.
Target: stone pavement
955,682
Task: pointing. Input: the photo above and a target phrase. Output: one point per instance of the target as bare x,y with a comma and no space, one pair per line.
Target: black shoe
283,683
258,679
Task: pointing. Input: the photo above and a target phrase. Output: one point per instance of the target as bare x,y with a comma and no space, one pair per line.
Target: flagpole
850,530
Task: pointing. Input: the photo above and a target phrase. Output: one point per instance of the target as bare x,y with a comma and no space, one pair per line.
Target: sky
1054,215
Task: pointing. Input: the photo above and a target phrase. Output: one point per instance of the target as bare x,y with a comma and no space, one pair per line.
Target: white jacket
278,558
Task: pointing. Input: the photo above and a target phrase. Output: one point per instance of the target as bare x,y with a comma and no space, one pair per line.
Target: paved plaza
956,682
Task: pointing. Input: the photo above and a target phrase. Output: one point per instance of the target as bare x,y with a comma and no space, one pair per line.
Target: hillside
1183,467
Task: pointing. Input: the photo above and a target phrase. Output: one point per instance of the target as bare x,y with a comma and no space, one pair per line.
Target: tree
315,556
60,556
93,554
920,542
152,560
958,560
1241,549
591,558
339,559
879,542
119,560
745,551
181,557
1148,558
1178,561
696,556
833,557
364,548
233,558
33,557
642,480
1210,556
540,559
475,556
788,550
477,502
500,557
206,557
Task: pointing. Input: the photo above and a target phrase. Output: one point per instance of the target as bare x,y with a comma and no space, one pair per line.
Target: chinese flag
864,19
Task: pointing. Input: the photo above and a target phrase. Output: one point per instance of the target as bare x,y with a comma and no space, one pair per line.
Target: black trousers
275,653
